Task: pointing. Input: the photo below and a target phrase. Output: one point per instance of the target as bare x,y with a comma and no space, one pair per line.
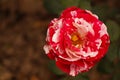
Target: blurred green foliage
79,77
110,15
54,68
113,30
56,6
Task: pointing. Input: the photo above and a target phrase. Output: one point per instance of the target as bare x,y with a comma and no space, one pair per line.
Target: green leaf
85,4
113,52
54,68
113,30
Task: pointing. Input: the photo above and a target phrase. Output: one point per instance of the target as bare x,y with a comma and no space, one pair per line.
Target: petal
63,65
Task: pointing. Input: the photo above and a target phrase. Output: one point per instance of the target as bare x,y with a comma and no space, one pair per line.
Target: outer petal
75,12
74,68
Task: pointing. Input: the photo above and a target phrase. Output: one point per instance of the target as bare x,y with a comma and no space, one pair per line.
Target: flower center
76,40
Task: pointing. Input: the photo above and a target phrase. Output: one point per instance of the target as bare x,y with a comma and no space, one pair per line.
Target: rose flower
76,40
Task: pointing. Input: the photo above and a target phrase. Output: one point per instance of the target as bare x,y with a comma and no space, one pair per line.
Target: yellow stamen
74,38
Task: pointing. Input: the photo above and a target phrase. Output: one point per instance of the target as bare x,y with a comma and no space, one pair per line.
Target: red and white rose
76,40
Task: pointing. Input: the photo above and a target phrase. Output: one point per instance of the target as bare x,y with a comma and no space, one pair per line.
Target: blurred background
23,26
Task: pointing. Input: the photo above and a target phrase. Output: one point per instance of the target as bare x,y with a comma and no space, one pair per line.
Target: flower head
76,40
